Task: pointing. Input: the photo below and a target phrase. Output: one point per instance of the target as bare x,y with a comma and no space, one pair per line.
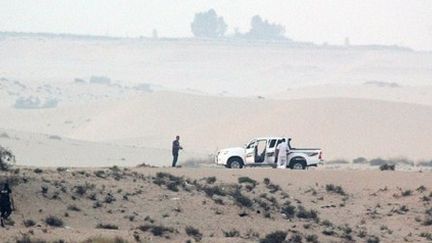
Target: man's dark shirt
175,146
5,197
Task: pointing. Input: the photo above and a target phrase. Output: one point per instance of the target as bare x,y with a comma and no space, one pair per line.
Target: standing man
282,154
6,203
175,150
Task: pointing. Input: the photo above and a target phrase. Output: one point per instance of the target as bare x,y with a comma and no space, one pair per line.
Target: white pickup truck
261,151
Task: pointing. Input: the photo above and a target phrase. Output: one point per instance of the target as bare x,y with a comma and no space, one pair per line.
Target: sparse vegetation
54,221
311,238
231,233
245,179
194,233
387,167
107,226
307,214
373,239
335,189
105,240
73,208
156,230
406,193
275,237
241,199
210,180
170,181
426,235
29,223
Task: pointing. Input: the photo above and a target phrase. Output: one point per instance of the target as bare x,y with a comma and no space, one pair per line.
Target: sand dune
406,94
342,127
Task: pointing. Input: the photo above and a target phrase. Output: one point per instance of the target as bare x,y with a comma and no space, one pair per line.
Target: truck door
270,155
250,152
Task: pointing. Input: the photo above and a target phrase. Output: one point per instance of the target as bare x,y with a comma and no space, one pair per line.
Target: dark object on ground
54,221
275,237
194,233
387,167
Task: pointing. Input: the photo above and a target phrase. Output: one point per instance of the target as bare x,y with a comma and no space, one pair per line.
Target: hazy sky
407,22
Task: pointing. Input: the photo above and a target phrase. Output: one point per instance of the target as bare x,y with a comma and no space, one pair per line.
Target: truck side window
272,143
251,144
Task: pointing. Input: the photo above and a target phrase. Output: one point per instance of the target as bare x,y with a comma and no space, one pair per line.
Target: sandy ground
388,205
344,128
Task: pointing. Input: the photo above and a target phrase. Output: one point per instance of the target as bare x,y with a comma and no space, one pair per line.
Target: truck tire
235,163
297,163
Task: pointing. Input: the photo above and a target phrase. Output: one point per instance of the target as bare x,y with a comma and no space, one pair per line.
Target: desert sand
81,114
338,206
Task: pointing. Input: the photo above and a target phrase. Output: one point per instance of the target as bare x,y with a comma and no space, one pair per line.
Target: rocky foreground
146,204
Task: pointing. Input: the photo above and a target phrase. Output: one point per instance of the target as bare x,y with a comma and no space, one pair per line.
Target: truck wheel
235,163
297,164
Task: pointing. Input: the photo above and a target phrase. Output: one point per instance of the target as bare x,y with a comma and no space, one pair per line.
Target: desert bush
210,180
194,233
296,238
378,162
61,169
107,226
406,193
306,214
38,171
428,217
425,163
109,198
275,237
82,189
241,199
105,240
231,233
273,188
100,174
156,230
311,238
29,223
387,167
421,189
54,221
73,208
7,159
170,181
427,236
288,210
373,239
360,160
327,223
214,190
335,189
245,179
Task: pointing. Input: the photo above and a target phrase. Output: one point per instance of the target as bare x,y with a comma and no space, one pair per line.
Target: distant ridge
286,42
